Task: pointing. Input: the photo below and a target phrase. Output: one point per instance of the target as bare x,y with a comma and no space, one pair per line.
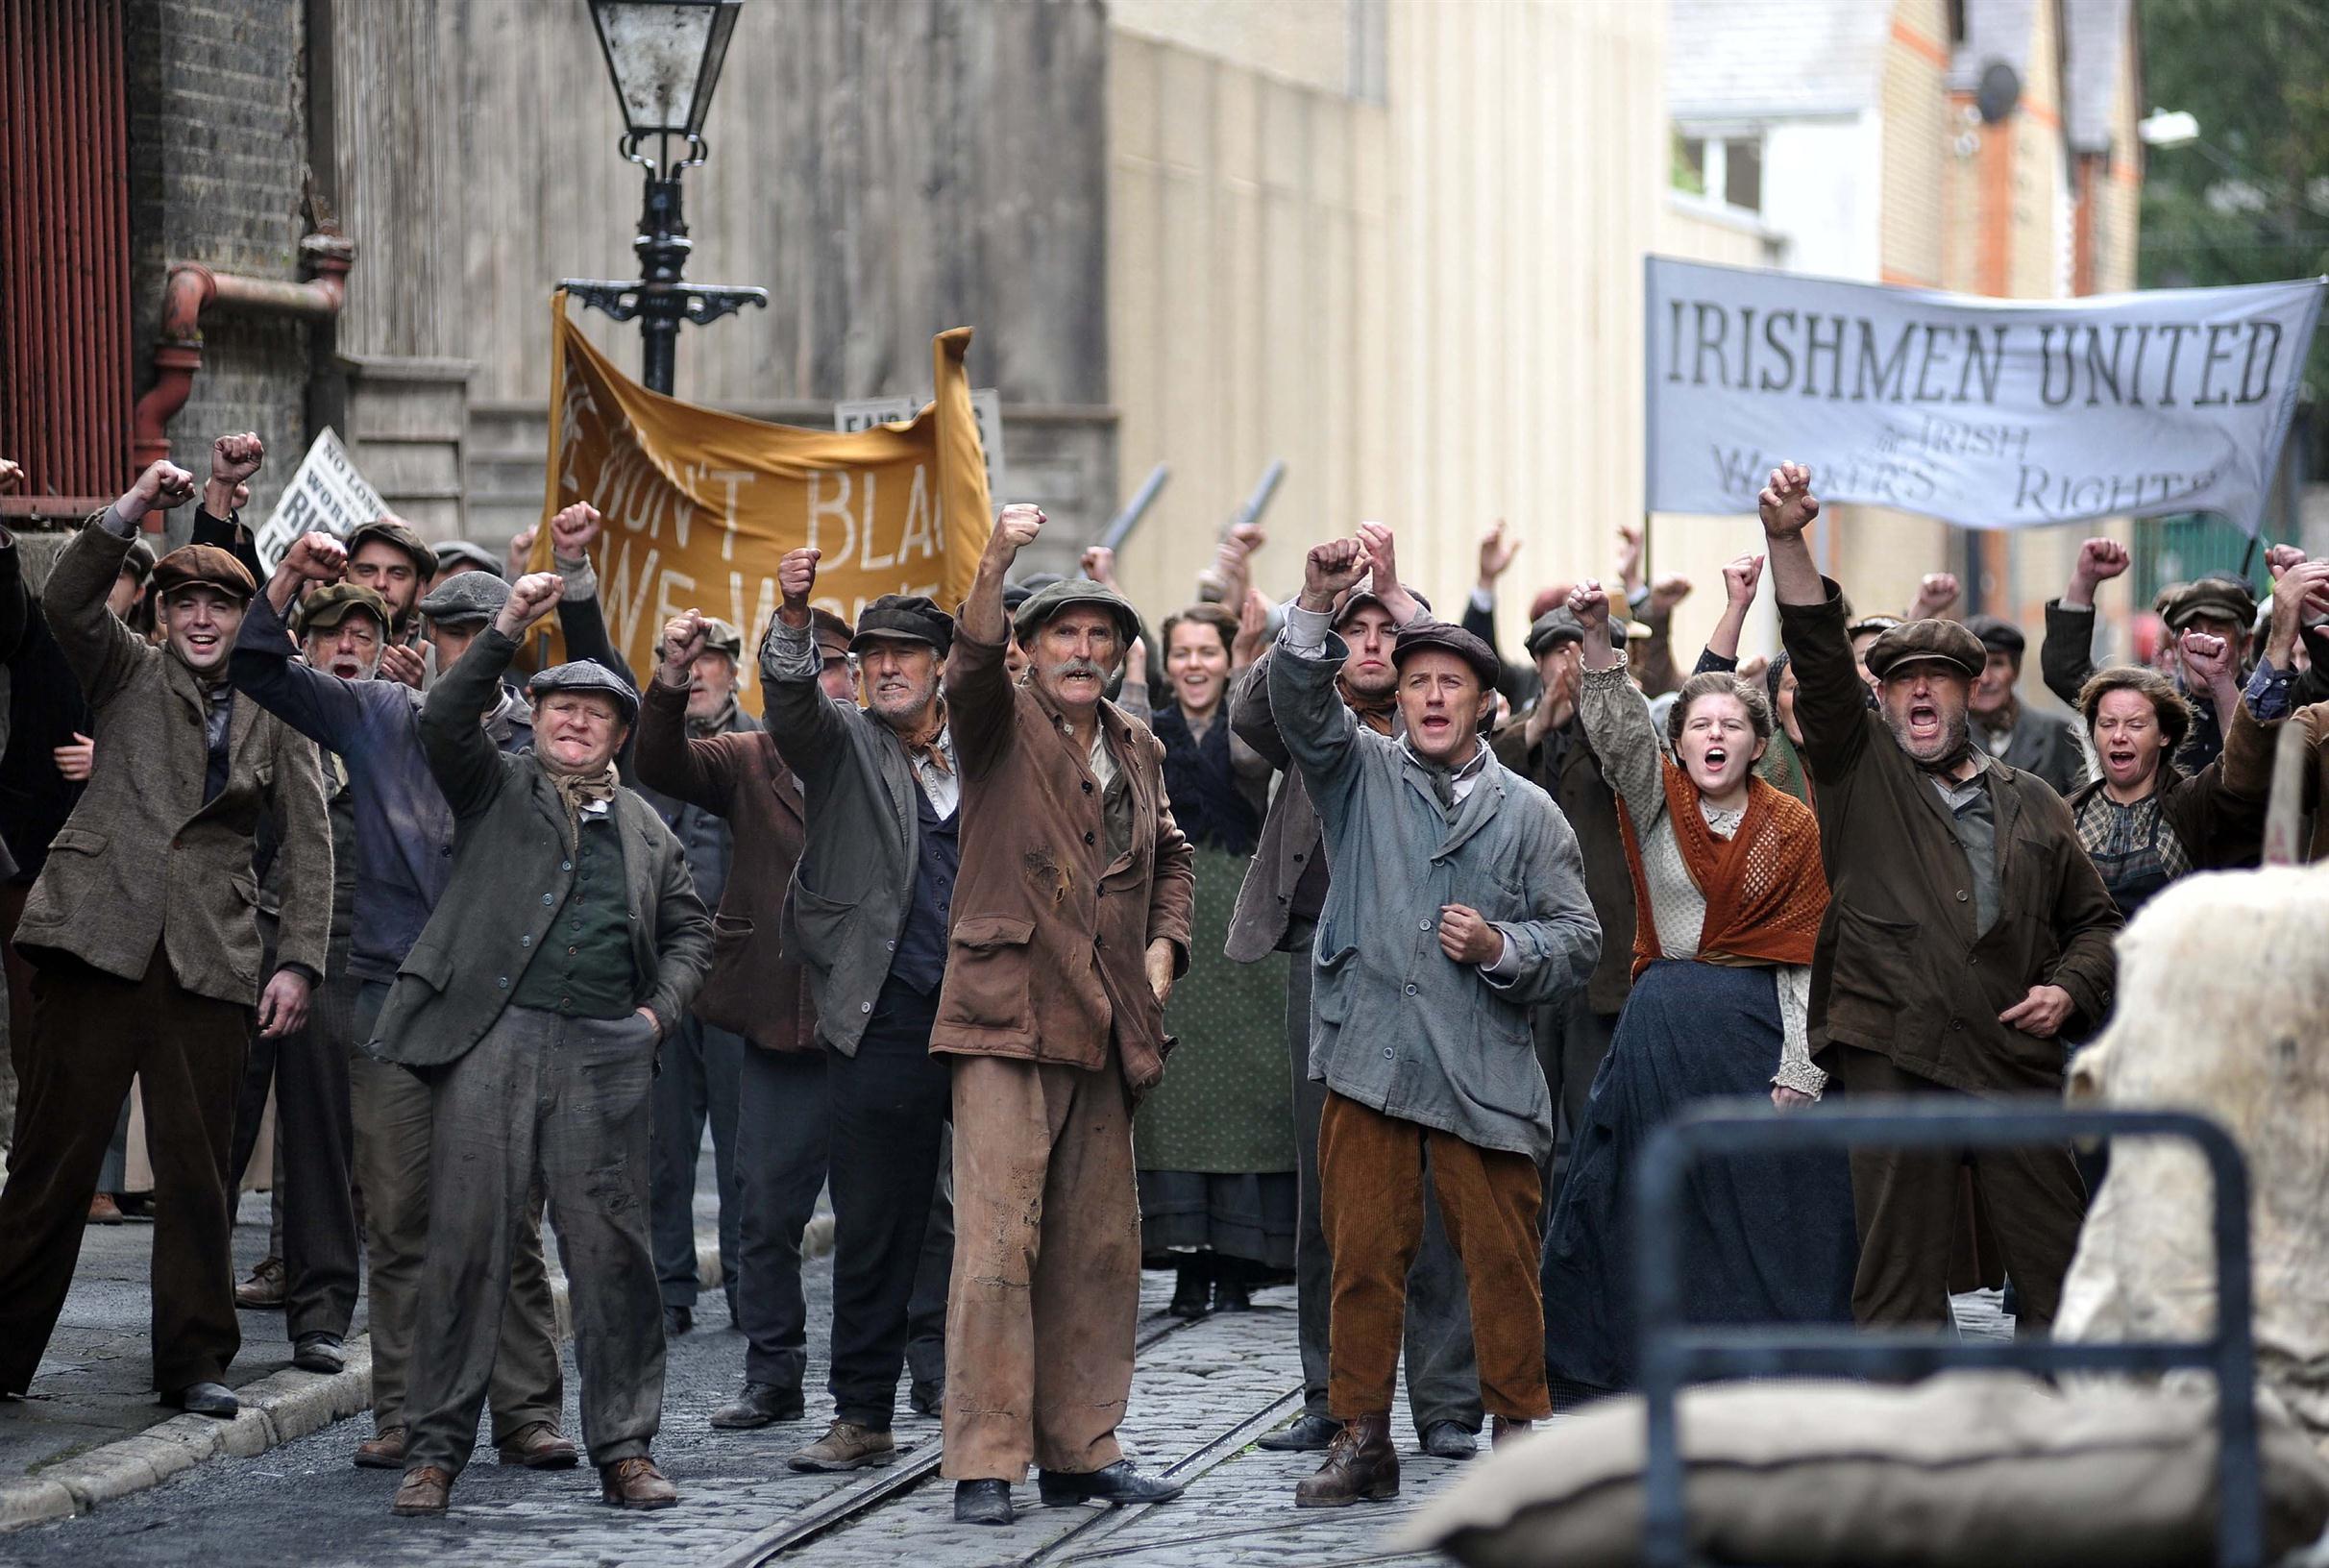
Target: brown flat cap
2218,598
328,606
1944,642
205,565
1444,637
390,532
832,633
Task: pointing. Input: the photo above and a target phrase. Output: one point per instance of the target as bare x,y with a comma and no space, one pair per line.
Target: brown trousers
1370,1177
1909,1205
91,1033
1046,1291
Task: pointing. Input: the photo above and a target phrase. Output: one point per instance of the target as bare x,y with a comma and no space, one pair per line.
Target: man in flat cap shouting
1965,930
144,928
569,941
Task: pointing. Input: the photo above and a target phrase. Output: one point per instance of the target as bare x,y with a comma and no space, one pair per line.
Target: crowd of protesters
1310,941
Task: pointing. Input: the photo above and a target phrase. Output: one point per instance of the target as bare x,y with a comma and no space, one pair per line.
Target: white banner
986,406
326,496
1988,413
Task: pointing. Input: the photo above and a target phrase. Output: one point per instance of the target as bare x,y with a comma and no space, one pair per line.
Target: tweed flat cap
587,675
389,531
722,637
206,566
1998,635
911,618
1059,594
1872,623
458,554
832,634
2217,598
1446,637
1363,594
330,605
1944,642
472,596
138,563
1553,627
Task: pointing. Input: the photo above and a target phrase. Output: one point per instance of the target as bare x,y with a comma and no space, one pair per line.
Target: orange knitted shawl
1766,891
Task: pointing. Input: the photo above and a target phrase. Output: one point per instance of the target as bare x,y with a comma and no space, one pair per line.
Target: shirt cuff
1483,601
2268,691
1306,631
1504,973
116,524
581,579
1802,1077
788,652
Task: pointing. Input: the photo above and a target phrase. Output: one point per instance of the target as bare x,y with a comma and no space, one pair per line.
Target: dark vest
584,968
921,945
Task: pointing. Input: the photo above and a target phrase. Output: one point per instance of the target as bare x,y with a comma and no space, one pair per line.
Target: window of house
1690,163
1725,168
1743,173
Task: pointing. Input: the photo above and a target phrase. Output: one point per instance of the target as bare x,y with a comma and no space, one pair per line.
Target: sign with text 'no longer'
327,495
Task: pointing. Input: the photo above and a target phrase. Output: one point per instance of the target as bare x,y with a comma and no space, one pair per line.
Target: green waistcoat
584,970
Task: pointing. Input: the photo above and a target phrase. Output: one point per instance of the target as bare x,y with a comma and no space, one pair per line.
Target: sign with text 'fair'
327,495
1988,413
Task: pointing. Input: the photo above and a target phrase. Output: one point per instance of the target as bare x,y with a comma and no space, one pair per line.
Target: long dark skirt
1248,1214
1766,1239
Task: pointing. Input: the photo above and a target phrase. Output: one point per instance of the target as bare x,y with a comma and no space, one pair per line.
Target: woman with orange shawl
1727,881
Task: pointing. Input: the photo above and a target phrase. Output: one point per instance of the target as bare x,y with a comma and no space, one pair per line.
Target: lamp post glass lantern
664,57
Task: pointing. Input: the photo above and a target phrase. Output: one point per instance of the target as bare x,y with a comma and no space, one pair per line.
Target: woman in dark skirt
1728,879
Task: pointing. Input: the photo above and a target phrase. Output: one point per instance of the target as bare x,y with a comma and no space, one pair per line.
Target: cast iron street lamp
665,59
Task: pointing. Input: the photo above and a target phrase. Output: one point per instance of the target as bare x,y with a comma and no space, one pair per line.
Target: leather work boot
538,1446
760,1405
1360,1464
1502,1432
1450,1441
424,1491
214,1400
982,1503
104,1211
1308,1434
636,1483
263,1291
846,1446
319,1352
1117,1482
383,1451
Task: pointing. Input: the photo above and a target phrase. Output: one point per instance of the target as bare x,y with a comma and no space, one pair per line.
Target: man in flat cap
757,990
388,557
1278,909
567,945
873,896
404,834
456,556
144,929
2020,736
1070,925
1458,904
1966,931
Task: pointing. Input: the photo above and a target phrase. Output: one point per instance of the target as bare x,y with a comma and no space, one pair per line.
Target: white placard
326,496
986,406
1988,413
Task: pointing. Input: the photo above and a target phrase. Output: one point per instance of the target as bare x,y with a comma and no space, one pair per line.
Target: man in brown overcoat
1070,923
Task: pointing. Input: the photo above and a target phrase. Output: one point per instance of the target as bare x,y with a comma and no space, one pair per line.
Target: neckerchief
578,790
718,724
922,746
1374,712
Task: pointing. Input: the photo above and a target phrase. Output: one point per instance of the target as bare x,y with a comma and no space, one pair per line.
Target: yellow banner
700,505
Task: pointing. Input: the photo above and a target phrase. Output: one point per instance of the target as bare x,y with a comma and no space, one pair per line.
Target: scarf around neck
1765,887
921,746
718,724
1374,712
576,790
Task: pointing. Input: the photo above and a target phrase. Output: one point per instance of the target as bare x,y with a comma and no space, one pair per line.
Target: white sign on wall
327,495
986,406
1987,413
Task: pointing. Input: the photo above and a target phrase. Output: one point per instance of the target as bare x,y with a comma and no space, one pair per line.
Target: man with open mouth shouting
1966,928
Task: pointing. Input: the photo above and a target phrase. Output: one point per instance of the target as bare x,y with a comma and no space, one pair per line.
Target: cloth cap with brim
1426,636
471,597
204,566
587,675
910,618
1938,642
722,637
389,531
1052,598
1998,635
2217,599
1871,623
460,551
138,563
1552,629
327,608
832,634
1363,594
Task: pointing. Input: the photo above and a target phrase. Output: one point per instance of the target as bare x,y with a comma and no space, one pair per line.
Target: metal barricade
1675,1353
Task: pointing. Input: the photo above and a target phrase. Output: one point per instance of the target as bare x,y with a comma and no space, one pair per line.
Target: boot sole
1376,1496
549,1461
752,1424
380,1462
643,1506
405,1511
830,1467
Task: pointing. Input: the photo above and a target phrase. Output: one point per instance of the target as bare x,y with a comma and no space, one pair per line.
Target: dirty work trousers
1372,1170
562,1102
1046,1291
1442,1379
1906,1202
391,1113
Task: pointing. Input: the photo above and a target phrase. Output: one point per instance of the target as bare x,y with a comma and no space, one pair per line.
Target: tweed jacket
1900,967
1397,1024
512,864
1263,919
142,861
757,987
1047,961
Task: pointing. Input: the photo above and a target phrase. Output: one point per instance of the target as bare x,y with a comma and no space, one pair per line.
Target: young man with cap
872,895
569,943
143,928
1458,902
403,833
1277,910
2043,743
388,557
1966,931
456,556
1071,924
757,990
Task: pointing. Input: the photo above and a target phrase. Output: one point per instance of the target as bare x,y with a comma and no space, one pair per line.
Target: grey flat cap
461,553
472,596
587,675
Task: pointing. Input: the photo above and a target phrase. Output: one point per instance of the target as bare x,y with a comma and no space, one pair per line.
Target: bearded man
1966,931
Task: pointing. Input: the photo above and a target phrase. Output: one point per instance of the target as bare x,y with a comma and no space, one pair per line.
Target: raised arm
702,772
978,685
1740,579
101,650
808,727
1616,719
1319,730
2067,656
1831,699
462,757
265,665
218,520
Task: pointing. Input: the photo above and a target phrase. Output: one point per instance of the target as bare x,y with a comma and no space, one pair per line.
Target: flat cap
587,675
1553,627
1448,638
459,554
1872,623
1015,594
330,605
832,634
722,637
2217,598
1945,642
1063,593
911,618
391,531
1363,594
138,563
1998,635
206,566
472,596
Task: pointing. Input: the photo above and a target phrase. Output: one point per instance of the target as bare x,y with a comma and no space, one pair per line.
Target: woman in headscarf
1730,894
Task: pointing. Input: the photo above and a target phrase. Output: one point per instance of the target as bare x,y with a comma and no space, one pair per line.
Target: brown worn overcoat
1050,936
754,989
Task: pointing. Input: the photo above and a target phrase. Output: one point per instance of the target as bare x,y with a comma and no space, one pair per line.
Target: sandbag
1968,1470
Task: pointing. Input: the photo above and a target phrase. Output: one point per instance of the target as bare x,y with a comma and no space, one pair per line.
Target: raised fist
1497,549
796,574
2099,560
1740,578
1329,571
1935,593
11,475
531,596
682,640
1590,604
573,531
2280,557
1253,629
1246,538
234,459
1787,505
519,553
1098,563
316,557
1382,557
1668,592
2208,659
160,487
1629,553
1018,526
2299,587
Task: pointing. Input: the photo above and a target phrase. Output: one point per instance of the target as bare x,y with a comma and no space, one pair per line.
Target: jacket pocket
987,978
431,966
731,934
1330,986
1870,977
78,840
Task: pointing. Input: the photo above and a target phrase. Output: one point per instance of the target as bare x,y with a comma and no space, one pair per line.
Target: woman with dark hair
1215,1142
1727,876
